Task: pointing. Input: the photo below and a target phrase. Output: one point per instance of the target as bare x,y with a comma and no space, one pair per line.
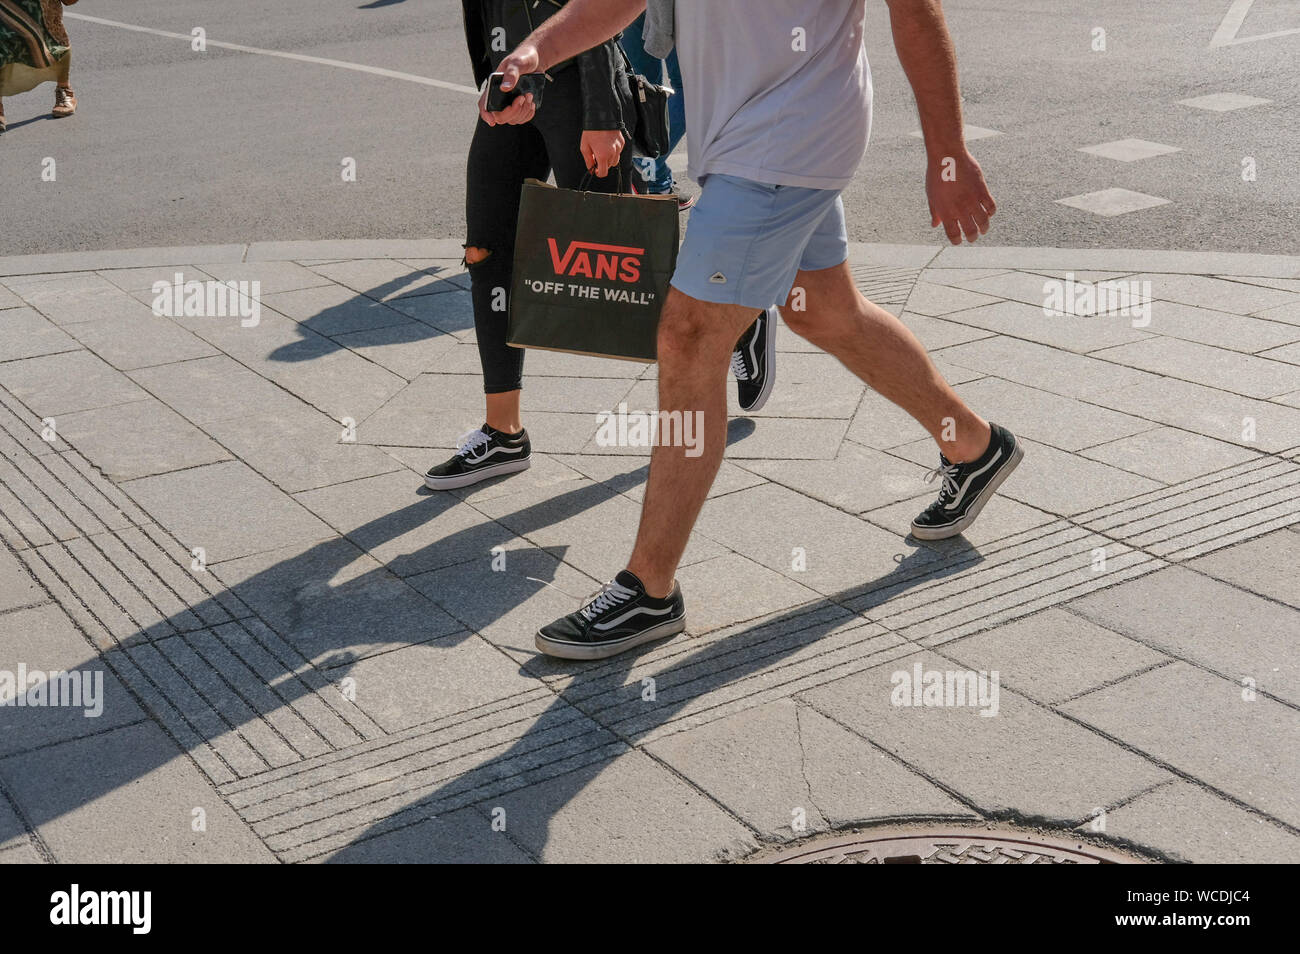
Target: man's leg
884,353
695,343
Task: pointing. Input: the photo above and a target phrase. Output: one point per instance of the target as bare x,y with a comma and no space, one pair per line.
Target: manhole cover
950,845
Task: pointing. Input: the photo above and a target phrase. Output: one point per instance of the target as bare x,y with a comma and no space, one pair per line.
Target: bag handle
589,176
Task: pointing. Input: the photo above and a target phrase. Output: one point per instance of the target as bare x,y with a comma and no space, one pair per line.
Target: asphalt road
172,146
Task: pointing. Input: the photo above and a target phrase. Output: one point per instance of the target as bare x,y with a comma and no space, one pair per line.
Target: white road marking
1226,34
300,57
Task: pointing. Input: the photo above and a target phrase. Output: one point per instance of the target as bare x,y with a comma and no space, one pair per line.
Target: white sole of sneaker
487,473
956,529
563,650
770,364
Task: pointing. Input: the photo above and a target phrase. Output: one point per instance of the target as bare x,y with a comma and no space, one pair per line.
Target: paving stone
1015,762
13,834
73,299
628,475
1078,333
384,279
159,441
1223,102
1290,314
8,299
1219,328
811,386
25,333
1041,416
443,677
409,529
782,761
1049,369
508,605
1213,367
881,424
595,523
140,340
17,588
451,312
1216,293
1187,823
859,479
460,837
583,816
1130,150
958,276
333,310
1037,481
840,551
143,278
1053,656
938,300
212,389
136,776
227,509
43,640
63,383
1265,565
273,277
300,450
731,589
21,854
1204,621
1113,201
1290,354
1211,412
1246,749
1168,454
333,603
1029,288
408,350
777,438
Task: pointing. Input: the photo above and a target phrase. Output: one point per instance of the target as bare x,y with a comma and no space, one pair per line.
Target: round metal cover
946,845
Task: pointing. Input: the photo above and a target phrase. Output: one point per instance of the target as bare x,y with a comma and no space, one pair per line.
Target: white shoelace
610,595
949,474
738,367
472,441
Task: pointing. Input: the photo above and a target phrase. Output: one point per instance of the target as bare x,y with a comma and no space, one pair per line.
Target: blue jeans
656,172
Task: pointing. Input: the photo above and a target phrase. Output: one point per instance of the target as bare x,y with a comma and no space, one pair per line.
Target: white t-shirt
777,91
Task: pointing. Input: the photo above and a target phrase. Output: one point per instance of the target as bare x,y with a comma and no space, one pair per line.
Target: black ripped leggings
500,159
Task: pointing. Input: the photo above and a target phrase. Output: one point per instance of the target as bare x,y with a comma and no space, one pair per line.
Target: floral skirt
33,44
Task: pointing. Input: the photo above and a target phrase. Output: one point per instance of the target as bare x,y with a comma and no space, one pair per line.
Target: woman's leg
500,158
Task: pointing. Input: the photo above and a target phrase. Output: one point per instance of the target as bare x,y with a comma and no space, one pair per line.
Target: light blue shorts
746,241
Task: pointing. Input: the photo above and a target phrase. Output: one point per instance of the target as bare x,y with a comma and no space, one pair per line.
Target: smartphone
497,99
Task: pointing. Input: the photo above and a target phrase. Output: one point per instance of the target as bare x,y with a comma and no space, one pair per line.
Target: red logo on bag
590,260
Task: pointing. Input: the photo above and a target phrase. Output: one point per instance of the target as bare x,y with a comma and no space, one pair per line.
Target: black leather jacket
606,93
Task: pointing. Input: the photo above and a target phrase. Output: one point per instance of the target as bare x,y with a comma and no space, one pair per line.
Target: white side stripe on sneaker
630,613
962,493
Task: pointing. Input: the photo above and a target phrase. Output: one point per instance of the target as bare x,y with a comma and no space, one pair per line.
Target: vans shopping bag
591,271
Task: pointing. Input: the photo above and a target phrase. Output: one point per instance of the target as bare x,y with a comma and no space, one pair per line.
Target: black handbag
652,136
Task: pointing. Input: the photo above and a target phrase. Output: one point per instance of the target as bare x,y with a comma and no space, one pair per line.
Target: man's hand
523,60
959,197
601,149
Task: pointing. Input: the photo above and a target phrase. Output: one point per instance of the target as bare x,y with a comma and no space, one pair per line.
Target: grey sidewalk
305,657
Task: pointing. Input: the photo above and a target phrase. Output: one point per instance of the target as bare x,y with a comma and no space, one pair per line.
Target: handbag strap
589,176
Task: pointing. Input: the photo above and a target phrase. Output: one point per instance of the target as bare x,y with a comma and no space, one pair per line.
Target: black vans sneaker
483,453
754,362
620,616
967,487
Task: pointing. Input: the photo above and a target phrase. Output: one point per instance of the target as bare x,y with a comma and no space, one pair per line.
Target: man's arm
575,29
955,186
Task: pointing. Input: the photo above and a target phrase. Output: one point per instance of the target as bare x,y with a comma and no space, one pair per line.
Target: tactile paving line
239,698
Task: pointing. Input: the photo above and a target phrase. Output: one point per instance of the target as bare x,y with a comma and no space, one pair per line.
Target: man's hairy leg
880,350
695,343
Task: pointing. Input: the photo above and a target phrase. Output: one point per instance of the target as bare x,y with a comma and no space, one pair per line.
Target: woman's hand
601,149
